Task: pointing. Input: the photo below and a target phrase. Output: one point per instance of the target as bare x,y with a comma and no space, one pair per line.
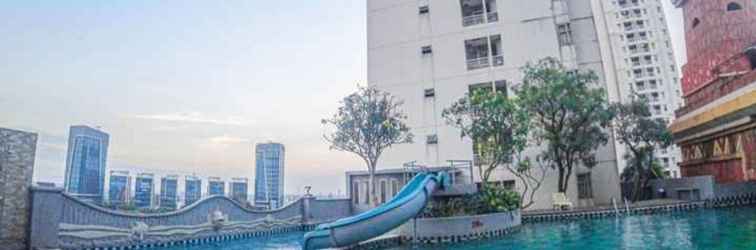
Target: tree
641,134
499,130
568,113
368,122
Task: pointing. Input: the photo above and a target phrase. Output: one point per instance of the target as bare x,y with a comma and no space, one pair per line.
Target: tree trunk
371,188
637,183
567,180
561,180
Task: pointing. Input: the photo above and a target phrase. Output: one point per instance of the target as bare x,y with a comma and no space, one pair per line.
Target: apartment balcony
479,63
480,18
639,51
498,60
642,63
629,4
493,17
639,39
474,19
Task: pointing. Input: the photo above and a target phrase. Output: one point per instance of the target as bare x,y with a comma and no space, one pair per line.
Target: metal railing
498,60
480,18
473,20
493,17
478,63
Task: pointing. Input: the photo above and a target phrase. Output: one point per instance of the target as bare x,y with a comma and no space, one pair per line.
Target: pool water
733,228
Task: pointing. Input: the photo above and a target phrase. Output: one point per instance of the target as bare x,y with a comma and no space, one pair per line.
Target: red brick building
716,129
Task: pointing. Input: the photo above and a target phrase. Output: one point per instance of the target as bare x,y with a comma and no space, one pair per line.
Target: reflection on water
733,228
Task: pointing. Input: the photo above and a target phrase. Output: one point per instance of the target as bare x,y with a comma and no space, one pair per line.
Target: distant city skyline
190,100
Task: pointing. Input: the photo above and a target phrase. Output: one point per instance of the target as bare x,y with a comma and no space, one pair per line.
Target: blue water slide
405,205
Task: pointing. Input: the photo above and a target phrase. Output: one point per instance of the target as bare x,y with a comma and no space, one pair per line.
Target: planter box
461,227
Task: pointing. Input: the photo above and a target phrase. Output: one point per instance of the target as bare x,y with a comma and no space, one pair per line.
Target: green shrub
500,199
489,200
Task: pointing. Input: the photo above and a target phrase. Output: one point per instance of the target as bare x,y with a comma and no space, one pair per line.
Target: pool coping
397,240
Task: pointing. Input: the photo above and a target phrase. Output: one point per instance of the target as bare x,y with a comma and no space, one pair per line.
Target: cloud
227,140
195,117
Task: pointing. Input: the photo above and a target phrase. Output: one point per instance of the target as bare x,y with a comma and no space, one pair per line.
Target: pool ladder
616,209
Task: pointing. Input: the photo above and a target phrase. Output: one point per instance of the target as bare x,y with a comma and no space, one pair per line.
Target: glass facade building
168,192
269,174
119,187
143,190
85,162
215,186
192,190
239,188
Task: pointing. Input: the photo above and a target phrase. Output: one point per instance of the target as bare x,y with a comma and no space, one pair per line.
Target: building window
478,12
585,190
500,86
480,52
565,34
751,54
733,6
425,50
696,22
356,192
383,191
423,9
431,92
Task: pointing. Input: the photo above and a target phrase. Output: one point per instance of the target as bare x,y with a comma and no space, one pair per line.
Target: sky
189,86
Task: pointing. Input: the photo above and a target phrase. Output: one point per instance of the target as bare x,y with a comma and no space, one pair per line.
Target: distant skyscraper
85,163
239,187
216,186
143,190
269,174
168,191
192,190
120,184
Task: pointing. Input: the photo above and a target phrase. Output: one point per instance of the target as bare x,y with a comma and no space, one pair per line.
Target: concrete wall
706,187
396,33
62,221
17,151
673,187
329,210
460,226
735,189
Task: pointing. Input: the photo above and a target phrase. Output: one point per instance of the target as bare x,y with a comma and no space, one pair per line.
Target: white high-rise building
645,62
430,53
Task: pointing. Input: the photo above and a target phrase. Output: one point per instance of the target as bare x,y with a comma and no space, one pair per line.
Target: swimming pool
733,228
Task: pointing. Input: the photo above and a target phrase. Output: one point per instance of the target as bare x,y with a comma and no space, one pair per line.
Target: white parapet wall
460,228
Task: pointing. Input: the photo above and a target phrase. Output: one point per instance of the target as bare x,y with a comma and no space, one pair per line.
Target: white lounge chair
560,201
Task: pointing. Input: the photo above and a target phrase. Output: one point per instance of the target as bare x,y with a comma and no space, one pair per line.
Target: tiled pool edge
732,201
204,240
395,241
722,202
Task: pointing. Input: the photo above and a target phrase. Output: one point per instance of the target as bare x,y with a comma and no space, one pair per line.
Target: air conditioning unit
430,92
426,50
423,9
431,140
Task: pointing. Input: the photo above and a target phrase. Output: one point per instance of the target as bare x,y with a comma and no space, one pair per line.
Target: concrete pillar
47,211
307,216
